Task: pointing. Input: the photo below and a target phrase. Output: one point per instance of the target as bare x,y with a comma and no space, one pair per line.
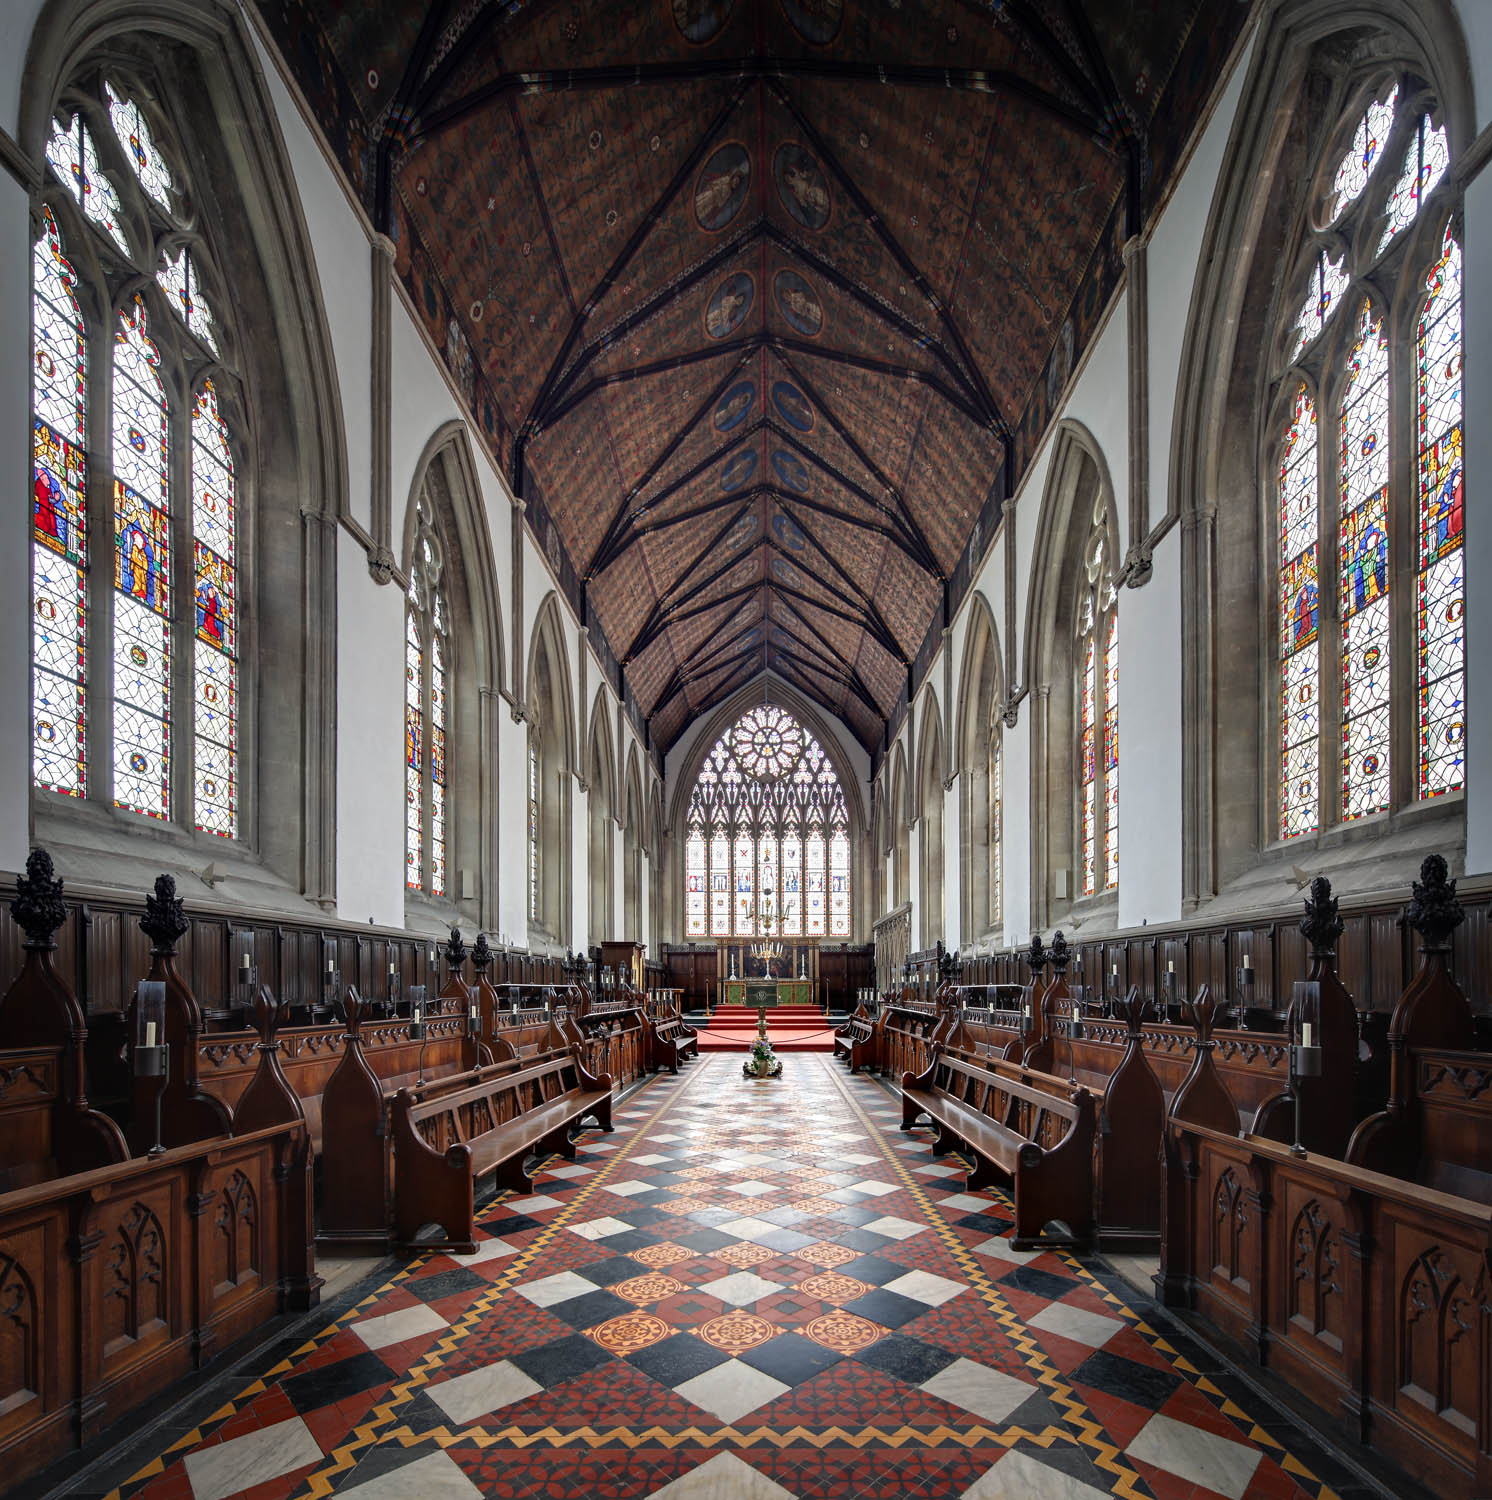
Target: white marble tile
991,1394
1001,1249
873,1189
225,1469
1019,1476
628,1189
1200,1457
857,1159
923,1286
748,1228
598,1146
437,1476
650,1160
668,1135
724,1477
966,1203
534,1203
741,1287
487,1250
729,1391
570,1169
937,1169
894,1228
395,1327
464,1398
558,1288
751,1189
598,1229
1076,1323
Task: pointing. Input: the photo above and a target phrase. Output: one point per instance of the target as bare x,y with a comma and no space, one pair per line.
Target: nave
748,1291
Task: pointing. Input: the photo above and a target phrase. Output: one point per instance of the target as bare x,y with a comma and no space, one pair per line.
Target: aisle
750,1291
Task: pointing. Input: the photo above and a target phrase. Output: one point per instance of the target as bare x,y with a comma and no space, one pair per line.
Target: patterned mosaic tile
796,1303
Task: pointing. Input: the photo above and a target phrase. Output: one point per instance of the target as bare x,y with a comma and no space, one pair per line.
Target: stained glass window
533,825
139,149
996,832
1328,280
1300,608
426,652
1441,598
1364,154
1363,571
1098,714
768,849
73,157
1426,161
142,571
215,791
168,608
1347,520
59,549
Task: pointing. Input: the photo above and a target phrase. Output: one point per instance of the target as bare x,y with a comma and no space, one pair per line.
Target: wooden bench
854,1043
672,1041
442,1145
1033,1129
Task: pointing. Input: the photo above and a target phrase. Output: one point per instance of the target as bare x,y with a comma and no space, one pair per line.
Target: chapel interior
741,750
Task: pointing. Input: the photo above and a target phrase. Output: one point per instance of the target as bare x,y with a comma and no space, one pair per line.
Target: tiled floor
753,1290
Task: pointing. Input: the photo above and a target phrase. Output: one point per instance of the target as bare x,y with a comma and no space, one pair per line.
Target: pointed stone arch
550,779
601,823
1078,499
929,806
634,843
898,810
979,749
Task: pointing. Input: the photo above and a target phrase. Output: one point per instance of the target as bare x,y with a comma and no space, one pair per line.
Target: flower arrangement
762,1061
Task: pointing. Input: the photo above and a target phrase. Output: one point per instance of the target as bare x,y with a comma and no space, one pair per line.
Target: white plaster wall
580,890
17,22
512,826
1476,23
1016,816
1477,342
343,258
953,905
1172,268
370,743
914,864
15,526
1150,743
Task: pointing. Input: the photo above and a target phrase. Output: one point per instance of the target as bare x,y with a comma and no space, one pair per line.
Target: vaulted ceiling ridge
841,670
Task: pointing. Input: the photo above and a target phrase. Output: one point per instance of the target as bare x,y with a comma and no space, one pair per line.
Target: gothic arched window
426,673
1371,698
1098,711
135,665
767,844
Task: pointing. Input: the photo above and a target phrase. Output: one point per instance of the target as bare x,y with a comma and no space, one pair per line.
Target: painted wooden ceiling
761,305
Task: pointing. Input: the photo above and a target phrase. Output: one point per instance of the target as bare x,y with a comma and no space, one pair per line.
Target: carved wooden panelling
235,1234
136,1262
1229,1223
1314,1292
20,1341
1441,1291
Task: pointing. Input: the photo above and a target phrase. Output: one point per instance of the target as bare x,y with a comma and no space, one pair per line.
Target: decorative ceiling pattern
762,305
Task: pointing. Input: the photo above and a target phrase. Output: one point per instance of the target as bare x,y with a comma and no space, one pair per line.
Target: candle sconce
152,1057
417,1026
1168,986
394,988
245,971
474,1012
331,975
1245,978
1305,1045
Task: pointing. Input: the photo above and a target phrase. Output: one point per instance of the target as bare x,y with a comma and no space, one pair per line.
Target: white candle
1305,1034
1248,961
150,1033
1170,966
243,963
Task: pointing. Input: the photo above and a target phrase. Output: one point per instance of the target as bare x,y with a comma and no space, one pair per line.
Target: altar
768,992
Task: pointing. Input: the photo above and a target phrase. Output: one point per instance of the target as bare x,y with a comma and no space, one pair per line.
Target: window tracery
1352,741
767,848
166,495
1098,711
426,658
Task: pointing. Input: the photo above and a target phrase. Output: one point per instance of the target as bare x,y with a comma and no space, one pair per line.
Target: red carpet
790,1028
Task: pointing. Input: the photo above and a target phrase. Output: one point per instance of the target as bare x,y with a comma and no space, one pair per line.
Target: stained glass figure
1300,612
533,825
59,549
1363,552
1111,754
178,279
414,748
766,821
1441,602
996,832
142,572
73,157
1425,162
1088,760
139,149
426,677
1098,713
214,521
1364,154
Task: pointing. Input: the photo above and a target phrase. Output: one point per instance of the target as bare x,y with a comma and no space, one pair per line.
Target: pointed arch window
426,658
767,841
1376,508
1098,712
534,825
155,631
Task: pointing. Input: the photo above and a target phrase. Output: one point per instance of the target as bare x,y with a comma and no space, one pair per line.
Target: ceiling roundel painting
659,242
721,189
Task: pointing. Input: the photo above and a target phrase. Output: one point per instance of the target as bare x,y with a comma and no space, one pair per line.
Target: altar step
790,1028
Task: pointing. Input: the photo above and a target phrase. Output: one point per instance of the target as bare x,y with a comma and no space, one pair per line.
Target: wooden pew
488,1127
854,1042
120,1280
1031,1129
670,1043
47,1127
